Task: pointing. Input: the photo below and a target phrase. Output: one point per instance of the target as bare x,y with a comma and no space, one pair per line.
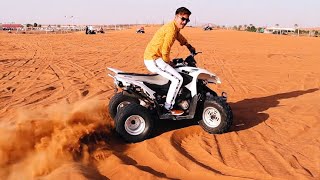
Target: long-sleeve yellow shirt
162,41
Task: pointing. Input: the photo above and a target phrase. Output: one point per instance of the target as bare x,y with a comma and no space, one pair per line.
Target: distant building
11,26
278,30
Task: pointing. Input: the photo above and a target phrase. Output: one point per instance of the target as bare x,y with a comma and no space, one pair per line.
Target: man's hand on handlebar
191,49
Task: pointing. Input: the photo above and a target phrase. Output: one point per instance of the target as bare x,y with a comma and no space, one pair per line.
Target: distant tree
251,28
235,27
35,25
239,27
277,25
29,25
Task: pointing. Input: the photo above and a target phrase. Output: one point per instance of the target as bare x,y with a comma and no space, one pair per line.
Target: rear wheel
134,123
217,116
118,101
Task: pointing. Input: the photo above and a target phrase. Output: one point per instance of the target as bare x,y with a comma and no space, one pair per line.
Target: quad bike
91,32
140,31
142,99
207,28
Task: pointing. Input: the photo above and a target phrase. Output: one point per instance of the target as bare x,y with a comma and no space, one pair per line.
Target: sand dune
54,122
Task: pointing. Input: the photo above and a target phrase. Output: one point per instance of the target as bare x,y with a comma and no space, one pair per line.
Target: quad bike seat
136,74
154,79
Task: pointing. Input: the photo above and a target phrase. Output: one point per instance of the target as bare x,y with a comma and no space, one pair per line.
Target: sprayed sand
54,123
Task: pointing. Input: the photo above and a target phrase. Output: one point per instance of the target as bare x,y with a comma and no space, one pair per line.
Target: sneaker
176,112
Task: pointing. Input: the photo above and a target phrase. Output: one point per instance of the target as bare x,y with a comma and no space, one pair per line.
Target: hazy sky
306,13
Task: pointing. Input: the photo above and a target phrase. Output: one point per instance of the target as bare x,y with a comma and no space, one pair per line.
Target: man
157,55
87,30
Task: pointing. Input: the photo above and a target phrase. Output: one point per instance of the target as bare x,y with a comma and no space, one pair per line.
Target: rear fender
126,83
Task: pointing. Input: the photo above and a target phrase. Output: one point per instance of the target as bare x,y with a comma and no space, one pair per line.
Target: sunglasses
184,19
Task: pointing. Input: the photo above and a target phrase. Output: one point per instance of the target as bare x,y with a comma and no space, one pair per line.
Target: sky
286,13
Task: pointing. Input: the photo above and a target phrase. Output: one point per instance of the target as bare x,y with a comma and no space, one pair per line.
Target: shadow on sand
249,112
246,113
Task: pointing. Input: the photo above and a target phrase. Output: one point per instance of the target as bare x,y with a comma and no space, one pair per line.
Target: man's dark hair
183,10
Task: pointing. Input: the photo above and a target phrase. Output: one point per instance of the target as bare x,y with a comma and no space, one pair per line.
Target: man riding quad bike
207,27
90,30
140,30
142,99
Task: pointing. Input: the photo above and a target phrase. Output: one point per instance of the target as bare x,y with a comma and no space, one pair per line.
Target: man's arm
183,41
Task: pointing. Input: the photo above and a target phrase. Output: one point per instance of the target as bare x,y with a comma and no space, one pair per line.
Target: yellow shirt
162,41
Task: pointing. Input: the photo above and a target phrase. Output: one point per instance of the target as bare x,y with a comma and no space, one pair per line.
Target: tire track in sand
215,156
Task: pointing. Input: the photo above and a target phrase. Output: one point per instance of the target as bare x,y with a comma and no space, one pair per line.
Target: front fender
198,73
202,74
210,77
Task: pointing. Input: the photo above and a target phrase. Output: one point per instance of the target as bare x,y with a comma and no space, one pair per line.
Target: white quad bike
141,102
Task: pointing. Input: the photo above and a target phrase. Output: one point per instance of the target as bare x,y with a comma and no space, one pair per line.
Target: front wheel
134,123
217,116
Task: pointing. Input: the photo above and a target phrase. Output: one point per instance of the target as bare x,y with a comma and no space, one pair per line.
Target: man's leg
160,67
176,79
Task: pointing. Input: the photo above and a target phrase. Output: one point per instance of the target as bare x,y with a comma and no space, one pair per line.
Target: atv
140,31
141,101
207,28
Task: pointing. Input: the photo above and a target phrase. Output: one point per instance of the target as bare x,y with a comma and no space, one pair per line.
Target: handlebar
195,53
190,61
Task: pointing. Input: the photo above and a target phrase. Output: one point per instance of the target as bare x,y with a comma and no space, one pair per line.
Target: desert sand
54,122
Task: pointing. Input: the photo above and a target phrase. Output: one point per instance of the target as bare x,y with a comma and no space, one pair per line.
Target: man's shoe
176,112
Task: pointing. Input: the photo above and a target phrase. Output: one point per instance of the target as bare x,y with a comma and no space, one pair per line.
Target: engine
184,104
183,98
